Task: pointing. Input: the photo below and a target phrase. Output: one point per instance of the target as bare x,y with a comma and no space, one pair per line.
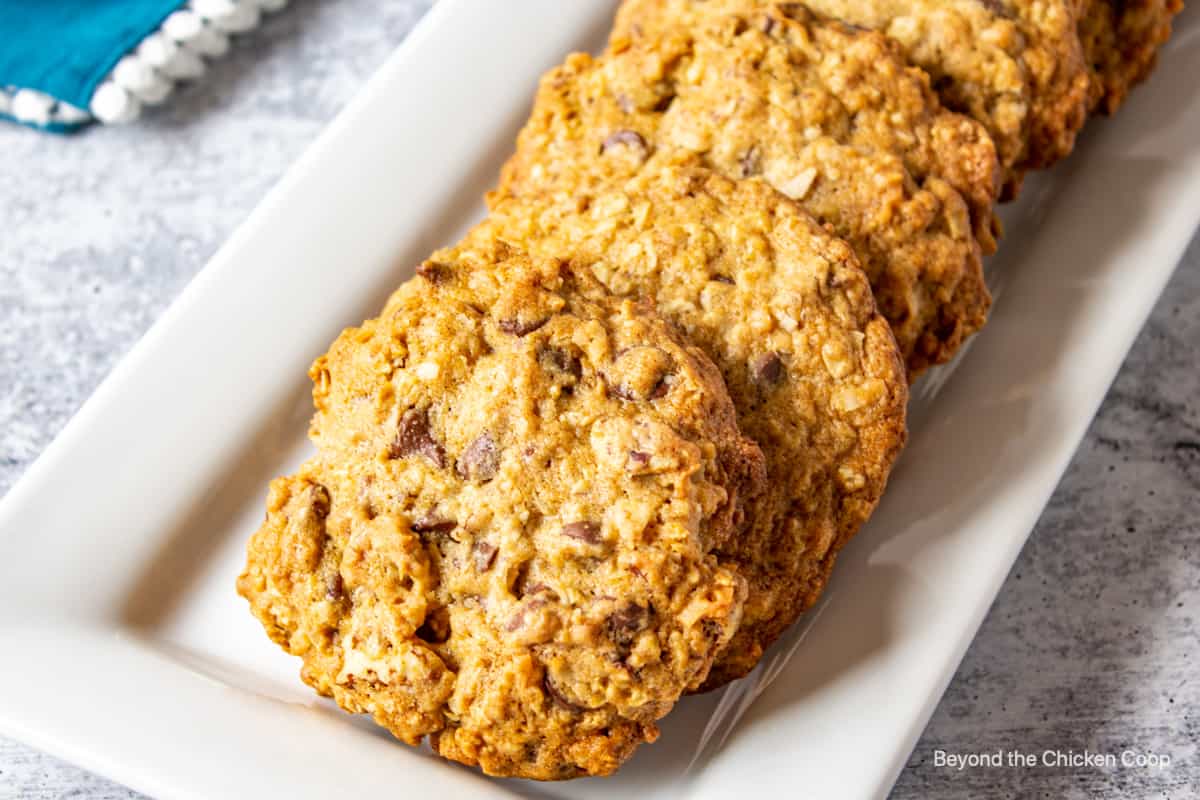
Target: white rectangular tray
126,650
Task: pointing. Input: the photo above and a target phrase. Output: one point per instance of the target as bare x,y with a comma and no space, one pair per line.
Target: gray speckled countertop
1093,644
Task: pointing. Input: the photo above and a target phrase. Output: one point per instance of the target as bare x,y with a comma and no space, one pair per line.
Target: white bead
158,50
111,104
155,94
186,65
188,28
131,74
140,79
211,43
183,26
226,15
32,107
212,8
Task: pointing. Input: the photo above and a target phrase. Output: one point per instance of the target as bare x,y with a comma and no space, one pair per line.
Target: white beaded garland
175,52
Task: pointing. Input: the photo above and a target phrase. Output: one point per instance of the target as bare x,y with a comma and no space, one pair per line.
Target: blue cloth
65,48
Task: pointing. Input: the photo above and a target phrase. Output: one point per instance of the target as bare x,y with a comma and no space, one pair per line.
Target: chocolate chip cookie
505,544
1121,39
783,309
829,115
1015,65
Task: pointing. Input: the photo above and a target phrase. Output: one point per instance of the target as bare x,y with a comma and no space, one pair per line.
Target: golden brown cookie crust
785,312
1121,39
1015,65
506,541
829,115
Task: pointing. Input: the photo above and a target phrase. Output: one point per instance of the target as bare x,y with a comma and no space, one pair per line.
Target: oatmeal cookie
505,544
1121,39
1015,65
783,309
829,115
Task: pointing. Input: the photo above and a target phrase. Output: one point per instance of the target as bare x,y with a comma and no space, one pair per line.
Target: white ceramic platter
126,650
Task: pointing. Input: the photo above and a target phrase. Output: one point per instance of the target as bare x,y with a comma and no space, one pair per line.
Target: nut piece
641,373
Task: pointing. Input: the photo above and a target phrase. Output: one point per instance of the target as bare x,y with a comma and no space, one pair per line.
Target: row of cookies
554,491
1030,71
605,450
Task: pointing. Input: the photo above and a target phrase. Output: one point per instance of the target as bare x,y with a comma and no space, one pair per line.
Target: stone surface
1092,643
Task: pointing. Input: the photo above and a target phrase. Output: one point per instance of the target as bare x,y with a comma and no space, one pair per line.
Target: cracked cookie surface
1015,65
829,115
505,543
785,312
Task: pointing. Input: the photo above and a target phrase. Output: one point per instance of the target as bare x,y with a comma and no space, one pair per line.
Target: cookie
829,115
783,309
1121,39
1015,65
505,544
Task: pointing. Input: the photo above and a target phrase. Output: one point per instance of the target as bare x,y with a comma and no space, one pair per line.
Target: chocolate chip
558,697
414,437
485,555
481,460
723,279
563,366
431,525
639,459
767,369
518,327
435,272
582,531
627,139
626,623
661,389
436,627
751,162
318,500
334,588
